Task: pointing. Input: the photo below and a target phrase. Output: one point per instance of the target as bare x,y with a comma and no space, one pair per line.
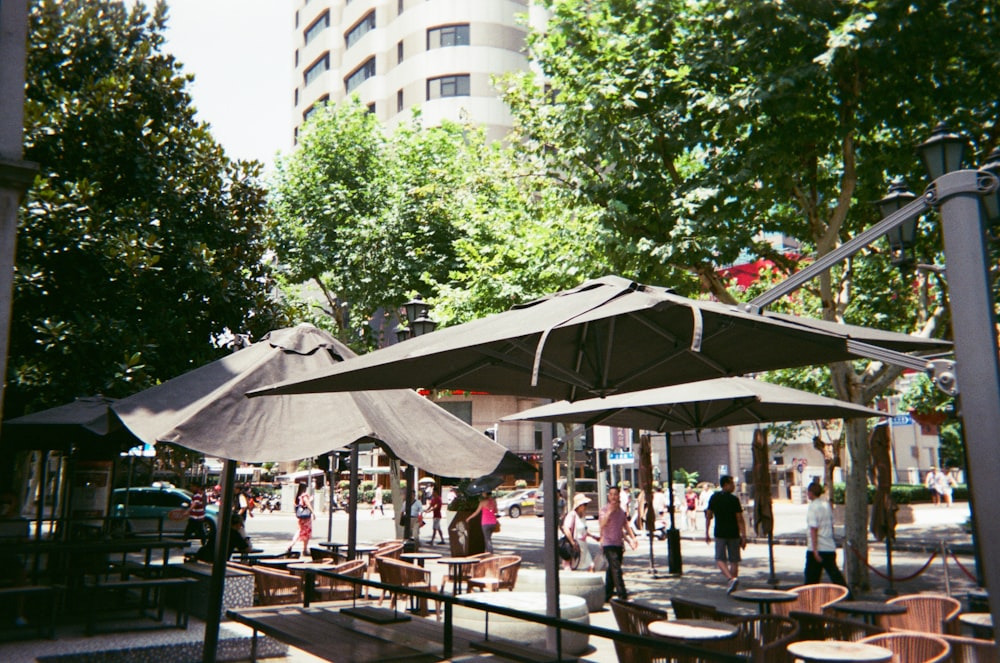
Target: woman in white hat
574,526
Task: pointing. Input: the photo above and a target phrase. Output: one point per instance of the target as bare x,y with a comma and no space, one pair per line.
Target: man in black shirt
730,530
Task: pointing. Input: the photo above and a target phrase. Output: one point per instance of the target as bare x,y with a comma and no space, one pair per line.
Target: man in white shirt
822,548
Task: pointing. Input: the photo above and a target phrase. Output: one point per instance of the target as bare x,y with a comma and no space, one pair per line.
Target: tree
700,128
365,218
140,241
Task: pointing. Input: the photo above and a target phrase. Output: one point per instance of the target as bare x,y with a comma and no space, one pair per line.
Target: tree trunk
856,506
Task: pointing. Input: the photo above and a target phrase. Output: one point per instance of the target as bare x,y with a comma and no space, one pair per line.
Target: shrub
902,493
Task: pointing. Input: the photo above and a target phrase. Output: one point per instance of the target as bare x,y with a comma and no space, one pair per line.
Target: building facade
395,55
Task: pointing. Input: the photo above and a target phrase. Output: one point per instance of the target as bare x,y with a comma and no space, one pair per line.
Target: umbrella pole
674,563
352,504
890,590
773,579
218,580
329,491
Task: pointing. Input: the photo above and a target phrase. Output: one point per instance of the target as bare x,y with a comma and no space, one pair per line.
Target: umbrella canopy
86,425
706,404
206,410
606,336
485,484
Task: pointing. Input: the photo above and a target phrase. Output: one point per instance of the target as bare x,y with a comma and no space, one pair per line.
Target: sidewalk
647,581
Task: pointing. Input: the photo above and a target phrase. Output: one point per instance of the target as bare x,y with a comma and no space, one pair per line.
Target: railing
659,644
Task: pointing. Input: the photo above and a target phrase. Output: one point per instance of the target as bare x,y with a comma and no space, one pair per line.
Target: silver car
513,504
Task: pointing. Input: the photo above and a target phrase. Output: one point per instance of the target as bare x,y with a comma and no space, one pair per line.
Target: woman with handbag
304,515
487,512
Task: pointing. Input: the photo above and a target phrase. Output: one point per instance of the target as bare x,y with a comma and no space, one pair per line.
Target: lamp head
943,152
416,308
903,237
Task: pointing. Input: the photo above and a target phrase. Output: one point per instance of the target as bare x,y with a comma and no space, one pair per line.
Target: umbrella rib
505,358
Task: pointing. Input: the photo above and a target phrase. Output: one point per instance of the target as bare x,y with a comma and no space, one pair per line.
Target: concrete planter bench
587,585
571,608
237,591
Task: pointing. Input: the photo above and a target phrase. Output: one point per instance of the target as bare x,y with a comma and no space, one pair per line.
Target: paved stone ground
648,582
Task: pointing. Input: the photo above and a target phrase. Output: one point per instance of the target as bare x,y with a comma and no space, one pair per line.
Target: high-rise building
439,55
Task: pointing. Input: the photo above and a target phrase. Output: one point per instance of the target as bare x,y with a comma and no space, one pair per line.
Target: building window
399,101
360,75
317,68
315,107
399,6
371,108
399,52
317,26
363,27
448,86
296,96
448,35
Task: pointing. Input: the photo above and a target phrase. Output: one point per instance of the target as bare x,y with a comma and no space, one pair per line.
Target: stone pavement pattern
700,581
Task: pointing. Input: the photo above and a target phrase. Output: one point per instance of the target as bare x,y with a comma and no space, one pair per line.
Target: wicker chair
499,572
827,627
971,650
392,549
404,575
634,619
477,570
322,555
764,637
925,613
275,587
685,609
331,589
912,647
812,598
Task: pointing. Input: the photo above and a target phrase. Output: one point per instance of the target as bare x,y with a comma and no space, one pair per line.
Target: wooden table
835,651
419,557
335,547
308,571
764,597
981,623
456,569
278,562
869,611
694,631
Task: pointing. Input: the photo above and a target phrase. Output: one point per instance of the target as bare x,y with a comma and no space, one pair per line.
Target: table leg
309,580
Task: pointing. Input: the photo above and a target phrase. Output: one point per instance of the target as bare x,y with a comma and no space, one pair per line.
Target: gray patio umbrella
709,403
206,410
87,420
606,336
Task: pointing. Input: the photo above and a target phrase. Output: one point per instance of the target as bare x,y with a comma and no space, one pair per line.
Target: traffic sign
621,458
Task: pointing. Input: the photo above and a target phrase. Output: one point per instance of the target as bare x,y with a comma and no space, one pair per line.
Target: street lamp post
419,322
963,197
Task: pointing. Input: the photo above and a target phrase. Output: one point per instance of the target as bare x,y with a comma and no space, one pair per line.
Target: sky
241,56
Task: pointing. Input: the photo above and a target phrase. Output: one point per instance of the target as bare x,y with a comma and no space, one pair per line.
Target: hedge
903,493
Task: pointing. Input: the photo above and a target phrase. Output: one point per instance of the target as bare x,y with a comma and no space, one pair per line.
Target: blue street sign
902,420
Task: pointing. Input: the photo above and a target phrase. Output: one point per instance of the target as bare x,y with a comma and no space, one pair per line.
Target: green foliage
520,484
903,493
139,242
688,479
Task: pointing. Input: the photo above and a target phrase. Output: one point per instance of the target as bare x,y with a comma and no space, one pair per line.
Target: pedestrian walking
195,528
574,527
615,533
730,530
434,506
822,553
931,481
377,501
304,516
945,485
487,512
691,506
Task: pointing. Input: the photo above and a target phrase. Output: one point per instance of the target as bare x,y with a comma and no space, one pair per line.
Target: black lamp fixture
418,319
902,238
943,152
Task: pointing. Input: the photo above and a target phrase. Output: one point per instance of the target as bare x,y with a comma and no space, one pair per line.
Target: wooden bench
324,634
51,592
518,652
158,586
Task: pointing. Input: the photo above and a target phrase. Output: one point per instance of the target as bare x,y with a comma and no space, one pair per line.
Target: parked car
157,509
514,503
587,487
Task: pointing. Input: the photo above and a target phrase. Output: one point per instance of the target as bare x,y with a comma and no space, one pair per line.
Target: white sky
240,54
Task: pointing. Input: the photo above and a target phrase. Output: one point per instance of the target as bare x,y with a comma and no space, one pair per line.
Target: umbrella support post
890,590
772,580
674,563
